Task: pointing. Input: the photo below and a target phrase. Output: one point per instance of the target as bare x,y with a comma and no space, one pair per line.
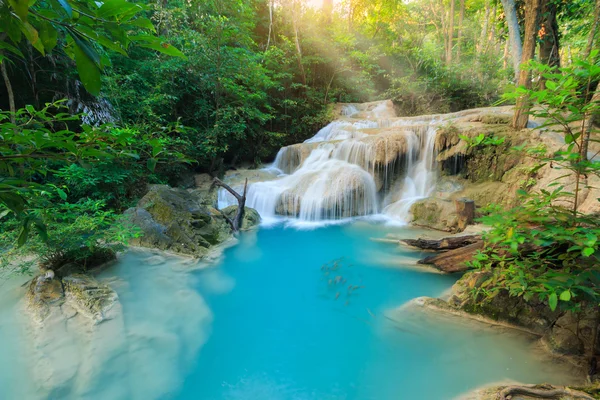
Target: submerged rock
42,294
88,296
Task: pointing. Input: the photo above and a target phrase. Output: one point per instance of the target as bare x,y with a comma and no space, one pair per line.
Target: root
542,393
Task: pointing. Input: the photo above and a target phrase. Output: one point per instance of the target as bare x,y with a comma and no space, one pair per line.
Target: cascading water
366,162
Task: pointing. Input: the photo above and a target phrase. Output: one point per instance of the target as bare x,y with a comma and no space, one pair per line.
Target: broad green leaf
588,251
61,194
86,47
116,8
151,164
143,23
89,73
34,37
21,8
553,301
24,233
48,35
566,295
12,49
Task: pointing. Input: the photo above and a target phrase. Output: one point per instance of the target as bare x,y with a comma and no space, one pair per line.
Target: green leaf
89,73
33,36
12,49
553,301
67,7
566,295
21,8
151,164
143,23
86,47
61,194
48,35
588,251
116,8
24,233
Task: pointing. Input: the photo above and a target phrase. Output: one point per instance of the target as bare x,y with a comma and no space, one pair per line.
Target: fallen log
447,243
453,260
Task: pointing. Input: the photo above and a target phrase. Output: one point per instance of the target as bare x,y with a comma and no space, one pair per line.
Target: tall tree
532,17
450,42
461,20
549,35
510,12
593,31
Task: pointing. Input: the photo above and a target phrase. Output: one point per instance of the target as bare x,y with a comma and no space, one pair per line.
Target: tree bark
466,212
9,90
453,260
297,43
510,12
593,31
461,20
236,223
549,39
484,31
447,243
450,33
523,105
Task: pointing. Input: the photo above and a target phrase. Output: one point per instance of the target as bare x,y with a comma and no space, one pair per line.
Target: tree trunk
447,243
484,30
510,12
297,43
593,31
549,40
523,105
450,33
465,209
454,260
461,20
9,90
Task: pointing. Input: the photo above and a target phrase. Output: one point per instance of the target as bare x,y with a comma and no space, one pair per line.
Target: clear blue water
286,330
275,319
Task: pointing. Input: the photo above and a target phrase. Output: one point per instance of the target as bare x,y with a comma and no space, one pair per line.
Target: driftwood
447,243
542,393
236,223
453,260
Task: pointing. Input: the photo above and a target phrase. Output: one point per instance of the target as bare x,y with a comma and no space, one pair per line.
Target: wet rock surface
180,220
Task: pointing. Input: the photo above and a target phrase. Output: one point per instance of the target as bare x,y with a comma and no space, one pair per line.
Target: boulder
434,213
178,220
533,315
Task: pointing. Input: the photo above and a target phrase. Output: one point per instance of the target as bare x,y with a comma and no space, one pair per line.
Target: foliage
483,140
81,27
545,247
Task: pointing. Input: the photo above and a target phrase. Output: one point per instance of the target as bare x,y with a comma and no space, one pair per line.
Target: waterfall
366,162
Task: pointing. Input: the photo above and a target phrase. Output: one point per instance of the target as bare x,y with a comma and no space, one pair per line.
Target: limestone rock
178,220
533,315
88,296
435,213
42,294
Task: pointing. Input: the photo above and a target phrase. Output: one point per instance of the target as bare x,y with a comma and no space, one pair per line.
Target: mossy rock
251,216
178,220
